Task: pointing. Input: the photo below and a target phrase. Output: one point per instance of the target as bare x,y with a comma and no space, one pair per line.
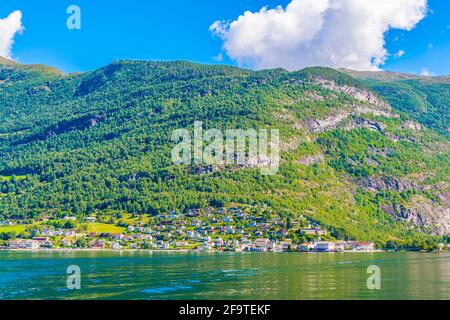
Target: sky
410,36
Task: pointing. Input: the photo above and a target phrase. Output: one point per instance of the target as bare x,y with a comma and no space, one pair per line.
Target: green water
145,275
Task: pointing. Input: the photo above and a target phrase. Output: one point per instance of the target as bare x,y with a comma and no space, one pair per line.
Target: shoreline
190,251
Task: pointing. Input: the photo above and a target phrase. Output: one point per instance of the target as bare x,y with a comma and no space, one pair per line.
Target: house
324,246
41,239
246,245
321,232
48,232
118,236
340,246
305,247
196,223
116,246
285,245
308,231
261,244
70,233
97,244
207,245
230,230
181,244
362,246
218,242
277,248
24,244
66,242
43,242
15,244
90,219
130,229
282,233
147,237
257,233
241,215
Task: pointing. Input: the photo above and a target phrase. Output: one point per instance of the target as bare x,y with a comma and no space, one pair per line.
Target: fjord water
170,275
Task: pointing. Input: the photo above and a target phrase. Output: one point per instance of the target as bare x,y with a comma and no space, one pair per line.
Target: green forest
100,143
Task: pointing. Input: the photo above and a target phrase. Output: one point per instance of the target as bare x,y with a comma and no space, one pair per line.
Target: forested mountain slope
366,158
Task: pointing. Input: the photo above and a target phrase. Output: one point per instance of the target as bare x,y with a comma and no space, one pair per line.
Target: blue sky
179,30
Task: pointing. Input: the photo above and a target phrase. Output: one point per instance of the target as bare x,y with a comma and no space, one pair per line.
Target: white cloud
427,73
8,29
399,54
335,33
218,58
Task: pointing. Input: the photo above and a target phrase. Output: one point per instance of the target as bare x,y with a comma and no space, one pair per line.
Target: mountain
364,155
425,99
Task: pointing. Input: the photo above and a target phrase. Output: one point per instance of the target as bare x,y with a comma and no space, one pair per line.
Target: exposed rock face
372,105
423,212
335,120
411,125
364,123
331,122
388,183
356,93
310,160
418,211
360,110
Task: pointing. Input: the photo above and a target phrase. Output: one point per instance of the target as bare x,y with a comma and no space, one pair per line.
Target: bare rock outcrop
357,93
380,183
310,160
423,212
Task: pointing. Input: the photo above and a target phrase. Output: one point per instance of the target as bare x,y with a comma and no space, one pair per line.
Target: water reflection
165,275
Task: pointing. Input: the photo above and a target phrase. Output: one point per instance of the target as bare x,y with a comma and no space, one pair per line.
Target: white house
325,246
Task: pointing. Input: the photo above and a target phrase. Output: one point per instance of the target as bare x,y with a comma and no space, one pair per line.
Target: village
239,229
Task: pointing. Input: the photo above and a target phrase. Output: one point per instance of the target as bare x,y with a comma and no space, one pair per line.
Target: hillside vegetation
367,159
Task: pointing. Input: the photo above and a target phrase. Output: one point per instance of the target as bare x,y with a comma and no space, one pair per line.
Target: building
90,219
305,247
24,244
116,246
340,246
43,242
181,244
362,246
66,243
308,232
246,245
97,244
118,236
324,246
285,245
261,244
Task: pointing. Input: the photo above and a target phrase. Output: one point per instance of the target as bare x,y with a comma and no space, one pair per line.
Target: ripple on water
240,272
166,289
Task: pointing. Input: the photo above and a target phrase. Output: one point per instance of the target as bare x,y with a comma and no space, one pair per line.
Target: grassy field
16,229
9,178
104,228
